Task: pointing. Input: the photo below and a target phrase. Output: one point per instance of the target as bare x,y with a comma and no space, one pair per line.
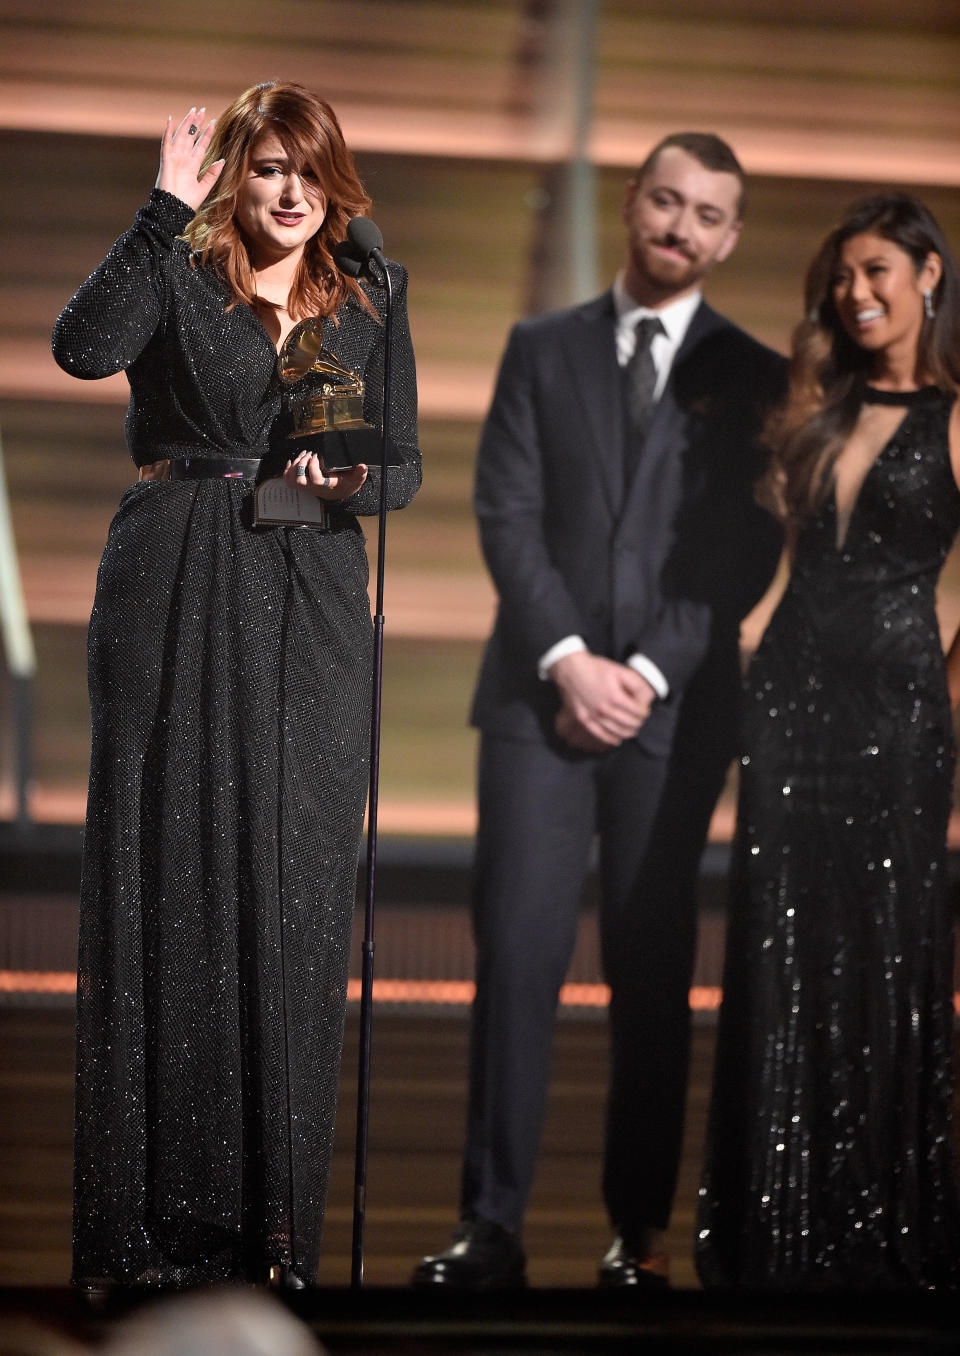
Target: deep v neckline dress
830,1159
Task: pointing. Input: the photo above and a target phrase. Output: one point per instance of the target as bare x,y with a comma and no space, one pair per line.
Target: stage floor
416,1118
417,1110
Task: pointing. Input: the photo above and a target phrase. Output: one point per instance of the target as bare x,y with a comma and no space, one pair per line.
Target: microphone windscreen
364,235
346,259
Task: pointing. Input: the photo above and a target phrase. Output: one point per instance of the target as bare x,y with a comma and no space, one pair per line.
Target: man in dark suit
614,496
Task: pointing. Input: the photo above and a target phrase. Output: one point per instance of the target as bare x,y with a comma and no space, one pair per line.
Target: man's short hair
712,152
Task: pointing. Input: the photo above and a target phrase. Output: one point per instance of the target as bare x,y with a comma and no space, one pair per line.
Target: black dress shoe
644,1266
483,1256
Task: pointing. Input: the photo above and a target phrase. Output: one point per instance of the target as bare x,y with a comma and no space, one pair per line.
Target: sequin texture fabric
830,1160
229,672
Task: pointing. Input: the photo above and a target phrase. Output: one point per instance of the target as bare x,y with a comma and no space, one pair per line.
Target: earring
928,307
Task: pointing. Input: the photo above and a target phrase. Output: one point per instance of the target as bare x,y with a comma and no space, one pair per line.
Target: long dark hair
307,129
827,367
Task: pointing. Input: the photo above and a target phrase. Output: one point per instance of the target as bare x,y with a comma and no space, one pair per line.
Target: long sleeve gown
229,686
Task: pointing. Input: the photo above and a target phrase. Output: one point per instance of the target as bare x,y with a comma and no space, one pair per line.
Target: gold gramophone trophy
325,402
325,396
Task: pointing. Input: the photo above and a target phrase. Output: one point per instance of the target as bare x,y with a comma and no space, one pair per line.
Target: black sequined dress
830,1157
229,682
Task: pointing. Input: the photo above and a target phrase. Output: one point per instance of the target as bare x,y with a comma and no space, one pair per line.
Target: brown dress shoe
483,1256
645,1265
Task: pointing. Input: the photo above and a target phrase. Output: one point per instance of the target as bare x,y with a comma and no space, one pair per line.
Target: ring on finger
193,129
301,473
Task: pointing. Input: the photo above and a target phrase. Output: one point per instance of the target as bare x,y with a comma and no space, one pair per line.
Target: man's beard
674,274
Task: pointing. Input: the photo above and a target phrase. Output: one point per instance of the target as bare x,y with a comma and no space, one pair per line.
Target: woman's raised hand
181,153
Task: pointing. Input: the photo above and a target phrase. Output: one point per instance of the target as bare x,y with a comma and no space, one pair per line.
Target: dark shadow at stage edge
546,1321
45,858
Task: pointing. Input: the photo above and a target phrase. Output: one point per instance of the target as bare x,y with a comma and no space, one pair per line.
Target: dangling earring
928,307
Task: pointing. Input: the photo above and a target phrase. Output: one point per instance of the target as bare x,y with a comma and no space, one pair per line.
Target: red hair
308,130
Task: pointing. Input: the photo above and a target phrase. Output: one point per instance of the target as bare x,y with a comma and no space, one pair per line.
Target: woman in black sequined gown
229,679
831,1152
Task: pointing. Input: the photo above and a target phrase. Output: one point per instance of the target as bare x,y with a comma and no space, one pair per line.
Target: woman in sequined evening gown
831,1158
229,679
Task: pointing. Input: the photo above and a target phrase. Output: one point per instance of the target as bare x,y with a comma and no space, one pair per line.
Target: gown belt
203,468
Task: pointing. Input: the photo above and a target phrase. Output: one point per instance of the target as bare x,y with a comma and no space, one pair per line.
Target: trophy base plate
342,448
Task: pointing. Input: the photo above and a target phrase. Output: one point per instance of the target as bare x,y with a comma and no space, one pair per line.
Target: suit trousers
539,811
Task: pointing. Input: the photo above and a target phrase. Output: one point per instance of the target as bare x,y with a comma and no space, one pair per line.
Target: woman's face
279,207
878,292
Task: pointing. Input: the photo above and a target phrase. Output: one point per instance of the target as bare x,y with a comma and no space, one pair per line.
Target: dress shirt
675,320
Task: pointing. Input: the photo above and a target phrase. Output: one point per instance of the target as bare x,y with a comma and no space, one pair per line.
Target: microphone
361,249
366,239
361,252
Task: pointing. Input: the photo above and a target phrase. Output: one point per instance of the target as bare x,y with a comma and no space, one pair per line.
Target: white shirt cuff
569,645
648,669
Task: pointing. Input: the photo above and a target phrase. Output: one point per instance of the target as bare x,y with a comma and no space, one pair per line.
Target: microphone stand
366,981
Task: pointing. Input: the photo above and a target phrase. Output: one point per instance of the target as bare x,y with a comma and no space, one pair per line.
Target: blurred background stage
494,137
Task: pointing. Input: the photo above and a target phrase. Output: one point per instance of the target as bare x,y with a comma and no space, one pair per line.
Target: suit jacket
666,565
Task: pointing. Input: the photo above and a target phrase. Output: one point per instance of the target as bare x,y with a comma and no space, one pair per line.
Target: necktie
641,380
